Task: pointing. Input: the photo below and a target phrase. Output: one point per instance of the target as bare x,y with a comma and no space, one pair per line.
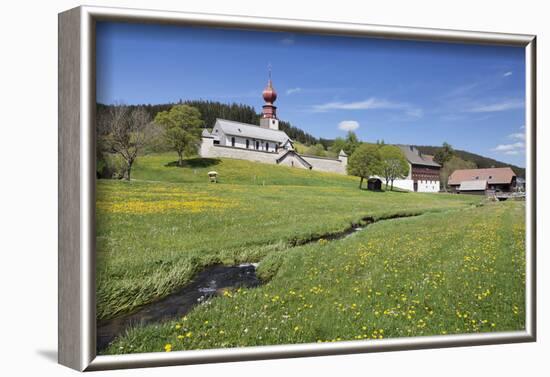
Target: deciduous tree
453,164
394,165
364,162
123,130
351,143
182,129
444,154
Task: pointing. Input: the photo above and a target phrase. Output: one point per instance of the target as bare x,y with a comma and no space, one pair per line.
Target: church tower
269,110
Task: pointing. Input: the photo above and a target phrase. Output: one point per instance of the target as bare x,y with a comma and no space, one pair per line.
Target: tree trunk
128,170
387,182
180,162
361,183
391,185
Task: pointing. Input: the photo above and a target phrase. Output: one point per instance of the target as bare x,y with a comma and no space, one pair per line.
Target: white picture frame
77,188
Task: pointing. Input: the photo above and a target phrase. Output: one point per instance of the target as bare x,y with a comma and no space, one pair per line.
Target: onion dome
269,93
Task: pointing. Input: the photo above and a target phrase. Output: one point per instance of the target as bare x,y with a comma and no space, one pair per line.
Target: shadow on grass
195,163
366,189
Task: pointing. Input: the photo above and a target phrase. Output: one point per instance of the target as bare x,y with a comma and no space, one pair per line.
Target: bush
111,166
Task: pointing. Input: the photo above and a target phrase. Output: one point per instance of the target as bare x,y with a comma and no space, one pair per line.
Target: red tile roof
492,175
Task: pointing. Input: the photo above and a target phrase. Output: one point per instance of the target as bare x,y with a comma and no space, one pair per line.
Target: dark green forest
210,110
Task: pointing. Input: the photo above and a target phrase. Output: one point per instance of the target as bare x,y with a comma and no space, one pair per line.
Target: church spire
270,95
269,110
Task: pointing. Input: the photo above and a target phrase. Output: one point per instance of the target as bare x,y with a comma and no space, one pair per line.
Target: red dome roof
269,93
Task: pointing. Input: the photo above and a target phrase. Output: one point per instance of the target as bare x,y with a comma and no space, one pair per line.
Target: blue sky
424,93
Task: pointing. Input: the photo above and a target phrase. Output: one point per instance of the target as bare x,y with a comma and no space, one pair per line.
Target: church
263,143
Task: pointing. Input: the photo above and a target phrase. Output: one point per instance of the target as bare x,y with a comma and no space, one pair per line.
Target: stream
208,283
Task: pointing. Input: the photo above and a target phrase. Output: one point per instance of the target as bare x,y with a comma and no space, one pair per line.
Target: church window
247,143
257,145
267,147
232,141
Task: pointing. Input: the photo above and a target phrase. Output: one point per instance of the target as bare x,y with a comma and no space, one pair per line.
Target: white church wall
206,146
208,149
293,162
225,150
240,142
327,164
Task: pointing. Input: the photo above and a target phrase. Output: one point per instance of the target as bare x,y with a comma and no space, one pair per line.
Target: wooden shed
374,184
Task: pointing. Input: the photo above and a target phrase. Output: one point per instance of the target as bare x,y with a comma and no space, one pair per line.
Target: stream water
209,282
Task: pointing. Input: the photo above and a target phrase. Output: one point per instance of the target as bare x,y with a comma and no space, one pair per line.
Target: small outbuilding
374,184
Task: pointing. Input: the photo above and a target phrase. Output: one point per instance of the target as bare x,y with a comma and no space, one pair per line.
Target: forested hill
481,161
210,110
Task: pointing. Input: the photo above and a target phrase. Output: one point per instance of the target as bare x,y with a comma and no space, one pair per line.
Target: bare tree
124,130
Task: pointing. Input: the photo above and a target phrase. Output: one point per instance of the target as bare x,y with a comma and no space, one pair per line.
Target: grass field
454,269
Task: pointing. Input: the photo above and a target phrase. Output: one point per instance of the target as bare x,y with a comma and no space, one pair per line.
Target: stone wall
211,150
327,164
292,161
208,149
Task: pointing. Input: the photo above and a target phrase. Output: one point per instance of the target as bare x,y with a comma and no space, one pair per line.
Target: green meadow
456,268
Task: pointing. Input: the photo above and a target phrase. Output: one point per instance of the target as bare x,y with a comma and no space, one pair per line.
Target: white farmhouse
423,171
264,143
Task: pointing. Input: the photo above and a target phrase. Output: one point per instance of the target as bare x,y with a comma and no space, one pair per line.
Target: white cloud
293,90
510,148
517,136
512,153
416,113
368,104
288,41
498,106
462,90
509,73
348,125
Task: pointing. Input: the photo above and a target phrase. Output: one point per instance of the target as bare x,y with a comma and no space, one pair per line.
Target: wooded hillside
481,161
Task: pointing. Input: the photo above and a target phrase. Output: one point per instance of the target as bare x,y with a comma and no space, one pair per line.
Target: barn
497,179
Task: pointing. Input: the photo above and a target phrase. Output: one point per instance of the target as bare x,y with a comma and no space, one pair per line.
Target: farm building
497,179
478,187
423,171
264,143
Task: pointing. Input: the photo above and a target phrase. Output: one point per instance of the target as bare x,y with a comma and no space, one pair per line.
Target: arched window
232,141
267,146
276,147
247,143
257,145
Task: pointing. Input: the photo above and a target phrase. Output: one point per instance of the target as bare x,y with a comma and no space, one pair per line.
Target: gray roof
477,185
288,153
229,127
414,157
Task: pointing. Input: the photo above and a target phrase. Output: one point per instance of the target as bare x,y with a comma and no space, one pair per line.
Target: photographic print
262,188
